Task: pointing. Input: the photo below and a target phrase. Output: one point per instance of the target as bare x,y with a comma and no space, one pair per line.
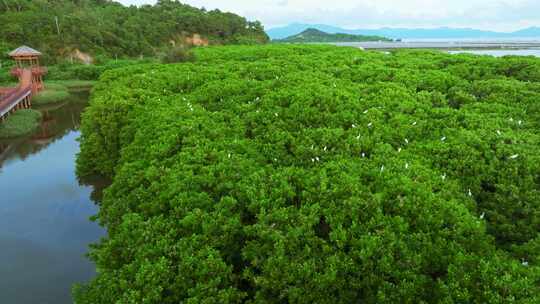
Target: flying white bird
514,156
365,112
443,138
414,123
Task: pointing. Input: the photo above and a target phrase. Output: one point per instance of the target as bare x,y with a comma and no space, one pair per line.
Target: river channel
45,229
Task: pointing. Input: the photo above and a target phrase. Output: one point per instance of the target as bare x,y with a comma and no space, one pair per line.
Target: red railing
11,100
13,97
38,70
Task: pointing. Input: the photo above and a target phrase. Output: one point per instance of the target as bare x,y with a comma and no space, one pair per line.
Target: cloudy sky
501,15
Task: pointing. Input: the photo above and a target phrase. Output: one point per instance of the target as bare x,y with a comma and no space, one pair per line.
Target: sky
499,15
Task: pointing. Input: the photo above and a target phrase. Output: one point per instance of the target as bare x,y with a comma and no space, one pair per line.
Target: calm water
500,53
44,213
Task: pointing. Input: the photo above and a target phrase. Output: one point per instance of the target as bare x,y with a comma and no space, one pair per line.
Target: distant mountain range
315,35
404,33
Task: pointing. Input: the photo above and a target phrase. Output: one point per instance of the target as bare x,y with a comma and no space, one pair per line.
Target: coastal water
500,53
44,213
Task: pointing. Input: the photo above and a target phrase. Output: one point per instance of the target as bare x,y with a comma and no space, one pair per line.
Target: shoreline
447,45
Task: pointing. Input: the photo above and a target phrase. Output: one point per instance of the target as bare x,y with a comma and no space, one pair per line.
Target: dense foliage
315,35
72,72
317,174
57,28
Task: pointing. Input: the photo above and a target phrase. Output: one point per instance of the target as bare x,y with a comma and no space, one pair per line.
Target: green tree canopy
106,27
317,174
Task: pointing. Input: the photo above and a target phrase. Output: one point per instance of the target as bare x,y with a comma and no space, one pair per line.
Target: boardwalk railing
13,99
19,97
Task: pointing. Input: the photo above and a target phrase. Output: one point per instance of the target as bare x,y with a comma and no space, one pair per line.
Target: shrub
178,54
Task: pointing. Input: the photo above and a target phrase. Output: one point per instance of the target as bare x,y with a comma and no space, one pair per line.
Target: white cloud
505,15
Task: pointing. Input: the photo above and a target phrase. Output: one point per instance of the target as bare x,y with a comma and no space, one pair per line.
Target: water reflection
58,120
44,211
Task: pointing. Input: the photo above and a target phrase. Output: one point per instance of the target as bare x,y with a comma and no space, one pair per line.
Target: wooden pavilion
30,75
28,58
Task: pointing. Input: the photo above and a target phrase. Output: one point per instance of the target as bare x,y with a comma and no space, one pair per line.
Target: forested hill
102,27
315,35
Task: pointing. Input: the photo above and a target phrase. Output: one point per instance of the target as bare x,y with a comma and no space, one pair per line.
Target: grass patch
20,123
49,96
71,85
55,86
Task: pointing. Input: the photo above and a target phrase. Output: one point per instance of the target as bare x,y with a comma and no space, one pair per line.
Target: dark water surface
44,213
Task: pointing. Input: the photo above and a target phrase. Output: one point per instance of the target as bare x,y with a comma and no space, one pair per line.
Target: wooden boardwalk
19,97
